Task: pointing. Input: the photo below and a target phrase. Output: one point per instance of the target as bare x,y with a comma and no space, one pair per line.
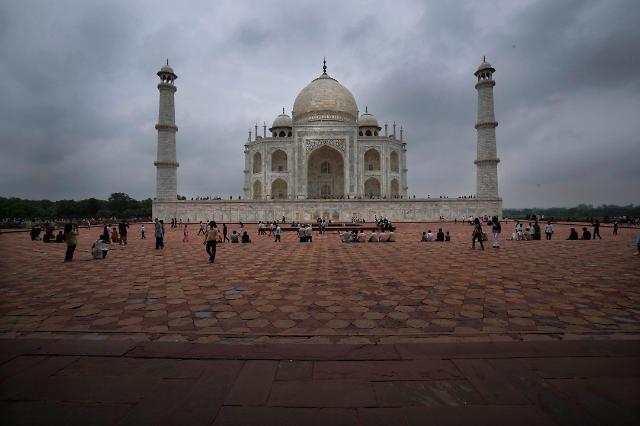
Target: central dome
324,99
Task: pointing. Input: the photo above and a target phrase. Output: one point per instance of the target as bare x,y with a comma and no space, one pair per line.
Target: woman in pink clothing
185,239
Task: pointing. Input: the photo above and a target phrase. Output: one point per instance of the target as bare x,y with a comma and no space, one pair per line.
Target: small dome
368,120
325,94
485,66
283,120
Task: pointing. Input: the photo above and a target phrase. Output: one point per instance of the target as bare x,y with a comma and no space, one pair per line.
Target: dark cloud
79,99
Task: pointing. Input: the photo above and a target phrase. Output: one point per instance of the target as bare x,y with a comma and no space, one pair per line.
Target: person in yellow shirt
211,240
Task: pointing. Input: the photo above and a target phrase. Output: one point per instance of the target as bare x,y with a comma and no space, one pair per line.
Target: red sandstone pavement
71,382
547,332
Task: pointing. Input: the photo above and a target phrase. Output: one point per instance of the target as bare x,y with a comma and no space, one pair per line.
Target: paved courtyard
325,291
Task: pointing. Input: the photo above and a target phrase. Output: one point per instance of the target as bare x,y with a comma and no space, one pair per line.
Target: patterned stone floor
325,291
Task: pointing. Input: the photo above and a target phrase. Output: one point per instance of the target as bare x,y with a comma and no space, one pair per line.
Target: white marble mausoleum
328,160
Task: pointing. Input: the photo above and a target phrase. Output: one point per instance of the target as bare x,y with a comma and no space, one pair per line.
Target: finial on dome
283,110
167,61
324,65
366,109
484,58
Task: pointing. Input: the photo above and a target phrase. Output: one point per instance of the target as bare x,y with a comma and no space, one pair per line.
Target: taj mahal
326,160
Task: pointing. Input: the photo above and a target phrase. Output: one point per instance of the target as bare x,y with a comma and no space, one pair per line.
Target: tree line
580,212
119,205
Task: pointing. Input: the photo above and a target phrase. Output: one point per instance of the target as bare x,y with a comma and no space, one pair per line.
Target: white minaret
487,159
166,164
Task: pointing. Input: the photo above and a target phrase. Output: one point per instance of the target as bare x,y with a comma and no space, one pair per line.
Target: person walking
122,226
615,228
159,233
596,229
211,240
185,238
496,229
224,233
201,230
477,234
71,238
142,235
278,233
548,230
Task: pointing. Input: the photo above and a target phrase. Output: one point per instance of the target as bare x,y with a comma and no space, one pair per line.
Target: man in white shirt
429,235
548,230
374,237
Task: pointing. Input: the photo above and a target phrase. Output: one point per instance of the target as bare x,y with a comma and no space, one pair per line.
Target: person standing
71,238
496,229
224,233
142,236
477,234
201,230
123,232
211,240
596,229
615,228
105,235
278,233
548,230
185,238
159,233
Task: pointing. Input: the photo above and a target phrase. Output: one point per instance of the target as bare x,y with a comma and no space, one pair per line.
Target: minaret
487,159
166,164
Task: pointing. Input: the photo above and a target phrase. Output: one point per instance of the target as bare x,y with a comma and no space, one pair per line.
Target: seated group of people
440,236
573,234
50,238
355,236
236,238
531,232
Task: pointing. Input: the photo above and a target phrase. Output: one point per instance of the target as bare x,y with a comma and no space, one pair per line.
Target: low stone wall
410,210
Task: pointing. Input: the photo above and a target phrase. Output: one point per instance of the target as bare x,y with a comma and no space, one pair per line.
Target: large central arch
325,173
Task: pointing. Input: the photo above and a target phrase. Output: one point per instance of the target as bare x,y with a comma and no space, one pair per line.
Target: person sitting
373,238
573,235
586,234
392,237
424,237
234,237
362,238
429,235
384,237
447,237
346,237
527,234
99,249
60,237
48,236
440,235
245,237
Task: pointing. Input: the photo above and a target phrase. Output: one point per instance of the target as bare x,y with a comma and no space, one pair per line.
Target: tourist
302,234
234,237
142,235
308,233
346,236
615,228
59,237
596,229
548,230
429,236
637,245
115,236
536,234
210,240
105,234
586,235
477,234
48,235
447,237
260,228
159,234
392,237
424,237
362,238
384,237
573,234
245,237
201,230
496,229
373,238
99,249
225,238
440,235
71,238
241,227
122,226
278,234
185,233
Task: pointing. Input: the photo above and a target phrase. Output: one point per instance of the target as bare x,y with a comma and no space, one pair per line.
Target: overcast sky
78,97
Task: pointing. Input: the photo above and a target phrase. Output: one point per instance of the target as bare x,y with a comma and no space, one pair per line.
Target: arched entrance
279,161
372,160
325,174
279,189
395,188
257,190
372,188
